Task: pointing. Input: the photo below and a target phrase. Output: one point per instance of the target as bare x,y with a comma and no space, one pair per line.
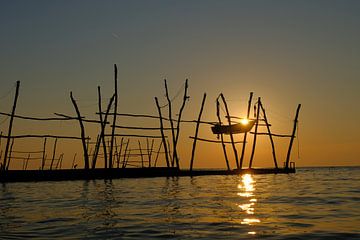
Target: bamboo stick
221,135
53,155
9,159
292,136
213,141
5,164
255,134
185,98
82,129
245,134
44,155
231,134
196,132
171,125
270,135
141,155
162,133
114,117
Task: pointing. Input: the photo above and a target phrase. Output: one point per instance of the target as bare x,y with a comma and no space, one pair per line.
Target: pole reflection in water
247,190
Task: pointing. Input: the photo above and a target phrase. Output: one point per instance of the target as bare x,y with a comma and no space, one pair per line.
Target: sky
286,52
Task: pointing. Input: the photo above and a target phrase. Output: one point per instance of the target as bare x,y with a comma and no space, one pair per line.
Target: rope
298,140
8,92
176,95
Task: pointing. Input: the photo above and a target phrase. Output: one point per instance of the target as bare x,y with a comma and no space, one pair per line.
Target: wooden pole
157,154
126,148
171,125
292,136
245,134
43,156
9,159
27,161
270,135
196,132
231,134
120,151
162,133
185,98
96,152
82,129
221,135
53,155
5,164
73,162
102,127
114,117
141,155
255,135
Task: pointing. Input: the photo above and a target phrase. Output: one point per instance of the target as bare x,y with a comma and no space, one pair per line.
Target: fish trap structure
138,154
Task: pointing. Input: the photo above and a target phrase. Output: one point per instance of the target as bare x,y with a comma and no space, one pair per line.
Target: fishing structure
122,160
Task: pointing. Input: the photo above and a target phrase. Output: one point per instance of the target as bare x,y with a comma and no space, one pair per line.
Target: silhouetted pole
5,164
171,124
11,148
82,129
114,117
162,133
102,127
255,135
53,155
44,155
141,155
270,135
120,151
292,136
125,152
245,134
221,135
196,132
185,97
231,134
149,149
96,152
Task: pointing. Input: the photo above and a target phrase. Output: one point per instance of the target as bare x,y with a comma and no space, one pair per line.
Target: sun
244,121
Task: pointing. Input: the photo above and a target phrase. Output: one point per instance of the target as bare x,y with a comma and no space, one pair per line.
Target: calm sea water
316,203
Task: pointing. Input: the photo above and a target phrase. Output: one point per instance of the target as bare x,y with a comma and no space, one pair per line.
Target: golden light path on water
247,189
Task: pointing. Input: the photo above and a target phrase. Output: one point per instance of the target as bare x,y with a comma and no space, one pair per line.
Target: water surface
317,203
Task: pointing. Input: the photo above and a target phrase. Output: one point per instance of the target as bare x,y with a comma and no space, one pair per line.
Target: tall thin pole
185,97
255,135
172,125
270,135
82,129
245,134
231,134
162,133
196,132
10,126
141,155
53,156
292,136
102,123
43,155
221,134
114,117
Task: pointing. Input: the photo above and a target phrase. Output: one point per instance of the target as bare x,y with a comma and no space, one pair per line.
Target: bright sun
244,121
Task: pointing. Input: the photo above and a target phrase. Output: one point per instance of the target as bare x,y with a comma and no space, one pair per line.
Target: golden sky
286,52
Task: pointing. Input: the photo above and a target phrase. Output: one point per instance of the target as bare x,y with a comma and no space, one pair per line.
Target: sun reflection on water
247,188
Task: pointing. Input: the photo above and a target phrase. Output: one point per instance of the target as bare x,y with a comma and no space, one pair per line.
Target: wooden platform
82,174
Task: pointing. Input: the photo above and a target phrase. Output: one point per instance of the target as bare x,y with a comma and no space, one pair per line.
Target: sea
313,203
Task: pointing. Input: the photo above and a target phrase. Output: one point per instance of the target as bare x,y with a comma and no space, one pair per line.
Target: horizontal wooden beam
133,135
272,134
42,136
213,141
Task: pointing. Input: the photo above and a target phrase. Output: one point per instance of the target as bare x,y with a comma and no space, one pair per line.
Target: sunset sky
286,52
